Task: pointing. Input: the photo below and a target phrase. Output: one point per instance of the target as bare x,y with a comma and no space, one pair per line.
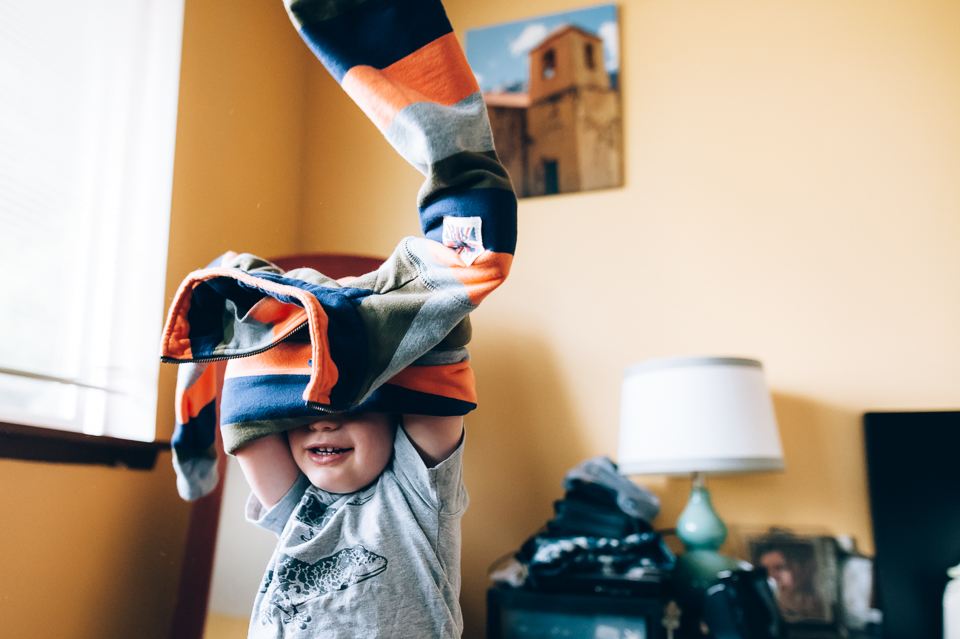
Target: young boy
369,532
344,401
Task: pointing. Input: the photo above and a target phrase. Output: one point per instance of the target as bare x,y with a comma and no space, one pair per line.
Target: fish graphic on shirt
297,582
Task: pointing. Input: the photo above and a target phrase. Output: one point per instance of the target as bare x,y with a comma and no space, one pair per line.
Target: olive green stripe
461,171
387,323
242,433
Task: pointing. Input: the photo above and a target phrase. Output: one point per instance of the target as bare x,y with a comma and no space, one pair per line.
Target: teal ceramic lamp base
703,532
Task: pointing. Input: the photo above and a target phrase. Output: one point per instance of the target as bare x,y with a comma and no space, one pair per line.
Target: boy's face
345,452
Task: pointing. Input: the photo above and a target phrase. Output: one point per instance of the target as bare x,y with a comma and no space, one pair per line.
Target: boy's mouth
328,450
327,454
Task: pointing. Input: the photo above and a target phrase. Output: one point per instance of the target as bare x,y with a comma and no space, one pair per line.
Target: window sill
31,443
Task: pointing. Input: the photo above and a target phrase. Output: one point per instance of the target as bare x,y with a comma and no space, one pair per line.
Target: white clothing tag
463,234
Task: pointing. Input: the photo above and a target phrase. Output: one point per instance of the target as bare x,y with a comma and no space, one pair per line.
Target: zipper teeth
219,358
324,409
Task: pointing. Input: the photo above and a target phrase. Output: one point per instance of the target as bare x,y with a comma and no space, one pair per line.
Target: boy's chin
338,485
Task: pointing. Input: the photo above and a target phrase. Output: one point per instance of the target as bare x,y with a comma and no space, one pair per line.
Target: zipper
219,358
325,409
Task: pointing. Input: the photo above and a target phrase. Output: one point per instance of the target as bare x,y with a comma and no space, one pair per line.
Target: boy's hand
435,438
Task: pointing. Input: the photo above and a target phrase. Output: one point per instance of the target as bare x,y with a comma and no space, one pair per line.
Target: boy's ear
458,337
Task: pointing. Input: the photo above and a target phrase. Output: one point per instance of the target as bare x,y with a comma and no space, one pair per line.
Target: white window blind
88,99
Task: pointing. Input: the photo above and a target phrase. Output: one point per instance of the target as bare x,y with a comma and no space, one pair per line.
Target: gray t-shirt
381,562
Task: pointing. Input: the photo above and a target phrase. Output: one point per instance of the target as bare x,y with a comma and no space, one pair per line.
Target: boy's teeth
327,450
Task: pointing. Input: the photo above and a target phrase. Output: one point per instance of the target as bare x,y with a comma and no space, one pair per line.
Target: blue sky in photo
498,54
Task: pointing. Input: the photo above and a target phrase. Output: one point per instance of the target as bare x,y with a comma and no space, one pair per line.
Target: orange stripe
286,358
451,380
325,372
485,274
195,398
176,332
283,316
437,72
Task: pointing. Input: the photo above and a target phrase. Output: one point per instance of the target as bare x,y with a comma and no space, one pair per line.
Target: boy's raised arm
435,438
269,468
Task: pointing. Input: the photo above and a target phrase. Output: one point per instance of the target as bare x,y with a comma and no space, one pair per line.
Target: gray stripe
678,362
442,358
241,332
189,374
434,275
436,318
426,132
715,465
196,476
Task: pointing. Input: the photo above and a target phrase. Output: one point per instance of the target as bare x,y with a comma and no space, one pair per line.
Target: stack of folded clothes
600,539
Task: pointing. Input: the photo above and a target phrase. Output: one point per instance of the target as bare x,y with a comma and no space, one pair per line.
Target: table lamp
698,415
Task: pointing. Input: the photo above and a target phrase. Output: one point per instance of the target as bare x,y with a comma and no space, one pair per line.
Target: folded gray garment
632,499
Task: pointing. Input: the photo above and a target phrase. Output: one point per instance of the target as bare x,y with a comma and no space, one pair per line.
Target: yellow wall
94,553
792,194
88,552
359,196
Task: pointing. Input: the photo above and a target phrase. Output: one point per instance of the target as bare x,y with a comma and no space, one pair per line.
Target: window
588,56
551,177
549,63
88,97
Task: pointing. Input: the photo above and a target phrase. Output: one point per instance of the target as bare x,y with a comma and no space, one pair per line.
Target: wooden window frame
34,443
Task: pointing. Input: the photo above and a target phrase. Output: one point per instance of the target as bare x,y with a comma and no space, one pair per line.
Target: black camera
742,606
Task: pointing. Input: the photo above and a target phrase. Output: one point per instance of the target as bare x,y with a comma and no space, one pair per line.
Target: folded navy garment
634,500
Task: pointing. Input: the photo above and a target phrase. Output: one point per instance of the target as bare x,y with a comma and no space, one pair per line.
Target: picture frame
551,85
803,572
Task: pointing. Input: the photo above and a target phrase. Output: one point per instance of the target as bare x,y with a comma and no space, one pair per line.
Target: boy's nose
325,425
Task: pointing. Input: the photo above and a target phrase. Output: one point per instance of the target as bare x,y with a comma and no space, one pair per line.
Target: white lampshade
697,414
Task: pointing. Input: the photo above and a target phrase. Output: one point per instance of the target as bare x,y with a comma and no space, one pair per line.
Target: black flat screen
913,468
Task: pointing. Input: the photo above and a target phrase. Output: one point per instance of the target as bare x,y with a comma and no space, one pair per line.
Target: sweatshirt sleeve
393,340
400,61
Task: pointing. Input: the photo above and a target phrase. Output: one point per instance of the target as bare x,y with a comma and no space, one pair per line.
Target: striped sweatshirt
262,351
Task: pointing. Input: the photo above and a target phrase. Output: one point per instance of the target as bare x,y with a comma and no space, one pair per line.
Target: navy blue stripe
198,434
375,33
389,398
345,329
263,397
496,207
205,318
266,397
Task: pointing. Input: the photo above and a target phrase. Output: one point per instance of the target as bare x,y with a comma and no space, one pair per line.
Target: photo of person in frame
801,572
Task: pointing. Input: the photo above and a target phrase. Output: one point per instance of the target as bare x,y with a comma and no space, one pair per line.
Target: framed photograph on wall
551,84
